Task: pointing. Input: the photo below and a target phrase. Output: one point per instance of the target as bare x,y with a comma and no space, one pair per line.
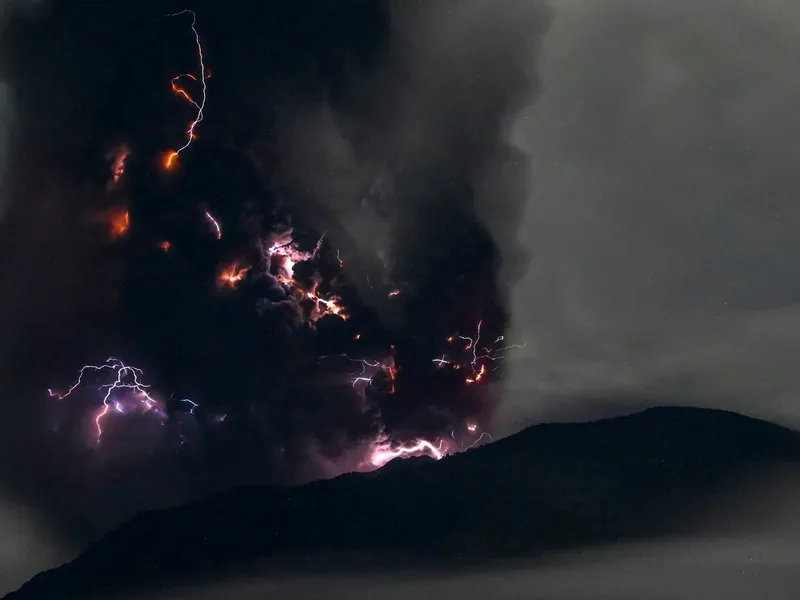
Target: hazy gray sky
665,212
25,547
691,569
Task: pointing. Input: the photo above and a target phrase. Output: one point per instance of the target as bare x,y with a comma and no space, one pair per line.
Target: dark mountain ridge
546,488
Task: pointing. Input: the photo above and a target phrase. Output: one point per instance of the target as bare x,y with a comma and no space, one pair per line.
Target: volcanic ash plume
245,280
413,179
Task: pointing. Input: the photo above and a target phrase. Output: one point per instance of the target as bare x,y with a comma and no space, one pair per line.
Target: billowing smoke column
412,180
311,283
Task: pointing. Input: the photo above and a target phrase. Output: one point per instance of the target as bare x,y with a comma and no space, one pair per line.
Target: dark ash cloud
388,132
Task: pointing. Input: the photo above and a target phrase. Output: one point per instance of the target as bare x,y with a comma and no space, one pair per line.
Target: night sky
613,188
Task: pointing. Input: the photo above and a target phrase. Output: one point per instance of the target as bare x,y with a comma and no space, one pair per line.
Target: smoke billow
353,160
419,155
413,175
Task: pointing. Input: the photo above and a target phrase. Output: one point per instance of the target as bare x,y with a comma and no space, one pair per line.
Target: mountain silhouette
549,487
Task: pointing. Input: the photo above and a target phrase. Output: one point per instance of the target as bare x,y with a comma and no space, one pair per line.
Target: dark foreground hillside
547,488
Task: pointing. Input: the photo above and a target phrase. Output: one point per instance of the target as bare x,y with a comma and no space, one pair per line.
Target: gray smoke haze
689,569
27,545
664,215
8,8
743,546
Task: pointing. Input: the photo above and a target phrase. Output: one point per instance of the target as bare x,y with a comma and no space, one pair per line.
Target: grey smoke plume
430,133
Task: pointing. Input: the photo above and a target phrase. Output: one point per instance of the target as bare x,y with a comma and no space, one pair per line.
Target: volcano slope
547,488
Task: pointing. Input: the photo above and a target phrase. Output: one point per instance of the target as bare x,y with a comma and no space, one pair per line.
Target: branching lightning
482,438
171,157
192,405
369,369
385,451
477,355
125,392
472,357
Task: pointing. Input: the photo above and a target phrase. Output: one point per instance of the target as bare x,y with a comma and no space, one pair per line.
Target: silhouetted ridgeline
548,487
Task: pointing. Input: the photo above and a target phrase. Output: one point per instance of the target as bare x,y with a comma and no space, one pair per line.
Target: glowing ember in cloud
214,223
323,306
119,156
232,275
124,394
478,376
171,157
165,245
281,255
119,220
394,293
389,367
